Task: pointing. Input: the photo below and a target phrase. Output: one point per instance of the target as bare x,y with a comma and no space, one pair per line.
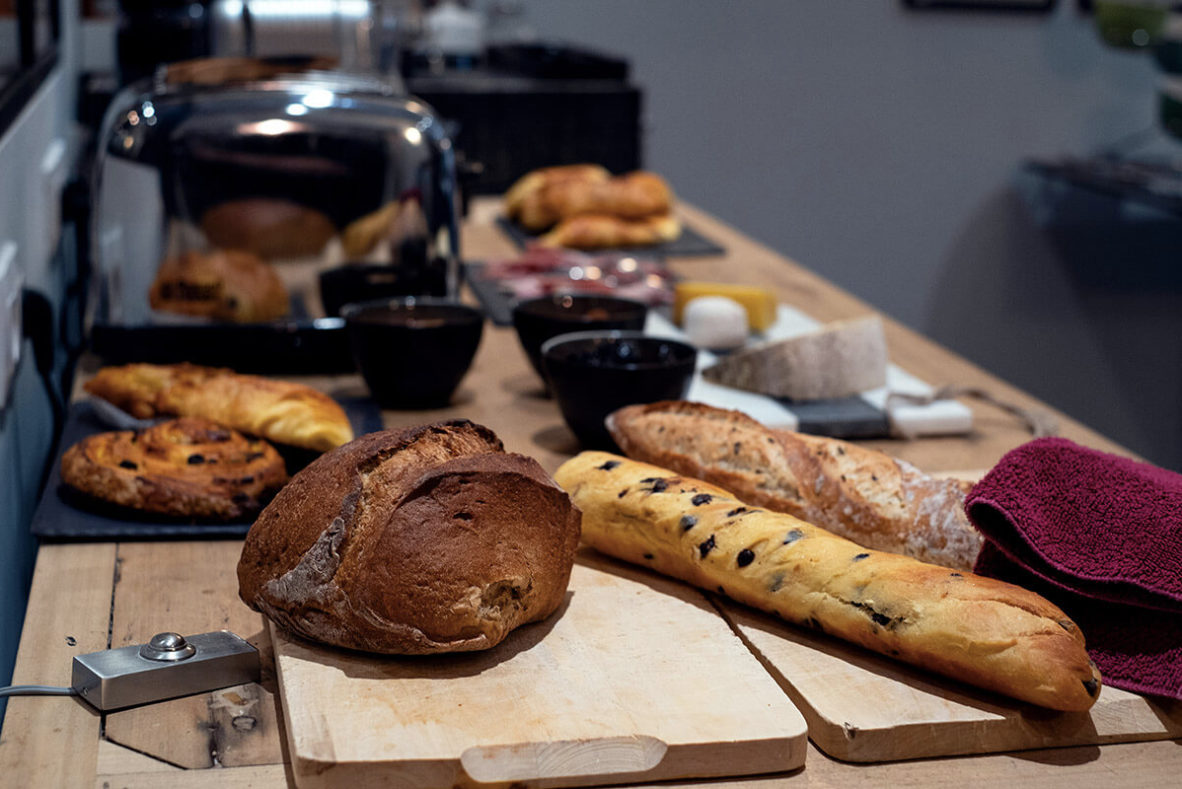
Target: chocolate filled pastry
280,411
184,467
227,285
414,541
267,227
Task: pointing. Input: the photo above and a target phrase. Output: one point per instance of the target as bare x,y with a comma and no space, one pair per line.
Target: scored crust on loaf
428,539
858,493
977,630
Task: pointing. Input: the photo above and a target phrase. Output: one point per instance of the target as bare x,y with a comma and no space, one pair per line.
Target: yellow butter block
760,303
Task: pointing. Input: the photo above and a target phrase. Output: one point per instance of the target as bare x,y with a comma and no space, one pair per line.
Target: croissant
529,184
599,231
632,196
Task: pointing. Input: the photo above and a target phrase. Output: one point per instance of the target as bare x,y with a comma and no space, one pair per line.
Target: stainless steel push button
169,665
168,647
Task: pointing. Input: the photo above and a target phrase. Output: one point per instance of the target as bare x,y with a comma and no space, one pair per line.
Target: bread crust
858,493
268,227
280,411
226,285
528,185
632,196
184,467
602,231
977,630
415,541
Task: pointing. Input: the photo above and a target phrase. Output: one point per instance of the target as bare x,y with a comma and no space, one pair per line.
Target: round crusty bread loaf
414,541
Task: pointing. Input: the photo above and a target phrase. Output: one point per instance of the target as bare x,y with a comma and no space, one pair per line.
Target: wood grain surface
635,678
863,707
81,592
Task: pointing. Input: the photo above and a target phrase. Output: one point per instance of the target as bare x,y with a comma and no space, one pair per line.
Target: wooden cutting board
636,678
861,707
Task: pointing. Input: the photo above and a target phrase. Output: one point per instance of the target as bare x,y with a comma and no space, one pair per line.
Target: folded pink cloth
1101,537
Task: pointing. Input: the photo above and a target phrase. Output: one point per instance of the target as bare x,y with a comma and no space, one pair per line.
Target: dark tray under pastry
689,243
65,514
306,346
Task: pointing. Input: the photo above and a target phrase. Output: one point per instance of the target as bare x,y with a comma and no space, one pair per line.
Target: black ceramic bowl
537,320
594,373
368,281
413,351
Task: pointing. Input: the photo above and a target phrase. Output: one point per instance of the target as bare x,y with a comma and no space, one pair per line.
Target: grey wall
881,147
26,423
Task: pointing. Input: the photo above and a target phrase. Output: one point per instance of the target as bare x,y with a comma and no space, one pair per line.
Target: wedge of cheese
837,360
760,303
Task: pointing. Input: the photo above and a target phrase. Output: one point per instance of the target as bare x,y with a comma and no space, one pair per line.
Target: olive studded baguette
977,630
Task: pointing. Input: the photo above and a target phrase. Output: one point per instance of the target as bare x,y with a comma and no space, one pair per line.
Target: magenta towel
1101,537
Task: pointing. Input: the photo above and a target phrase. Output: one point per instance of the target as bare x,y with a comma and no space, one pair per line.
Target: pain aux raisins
701,498
745,557
706,547
609,465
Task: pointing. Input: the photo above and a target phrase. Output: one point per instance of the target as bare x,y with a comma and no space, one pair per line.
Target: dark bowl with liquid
413,351
595,373
537,320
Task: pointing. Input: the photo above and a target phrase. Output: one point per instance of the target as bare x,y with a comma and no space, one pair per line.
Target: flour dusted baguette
855,492
978,630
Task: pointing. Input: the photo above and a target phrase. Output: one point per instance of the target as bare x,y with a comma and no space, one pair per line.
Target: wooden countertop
91,596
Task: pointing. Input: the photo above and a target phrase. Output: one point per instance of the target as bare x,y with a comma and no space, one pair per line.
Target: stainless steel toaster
232,169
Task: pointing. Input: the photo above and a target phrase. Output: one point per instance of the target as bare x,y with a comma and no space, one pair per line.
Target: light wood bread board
635,678
861,707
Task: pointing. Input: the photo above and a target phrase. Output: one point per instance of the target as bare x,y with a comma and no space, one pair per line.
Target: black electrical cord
36,690
37,317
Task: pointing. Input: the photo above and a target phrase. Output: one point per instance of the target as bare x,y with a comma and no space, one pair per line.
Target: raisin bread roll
855,492
415,541
183,467
970,628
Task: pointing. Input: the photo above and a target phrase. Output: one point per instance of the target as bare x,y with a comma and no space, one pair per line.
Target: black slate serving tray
63,514
689,243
